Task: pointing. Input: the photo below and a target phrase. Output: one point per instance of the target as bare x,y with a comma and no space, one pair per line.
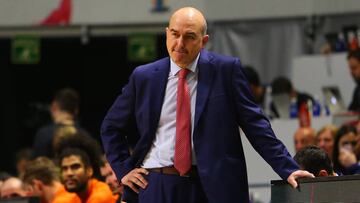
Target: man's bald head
304,137
186,36
191,14
12,187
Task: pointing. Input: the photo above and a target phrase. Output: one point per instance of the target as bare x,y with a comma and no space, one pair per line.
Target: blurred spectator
22,158
344,157
314,160
303,137
12,187
3,176
354,66
77,174
325,139
41,178
79,159
110,179
62,132
64,110
87,144
357,146
257,89
282,86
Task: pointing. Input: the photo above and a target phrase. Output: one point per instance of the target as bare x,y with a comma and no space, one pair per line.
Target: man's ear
89,171
54,107
323,173
38,184
205,39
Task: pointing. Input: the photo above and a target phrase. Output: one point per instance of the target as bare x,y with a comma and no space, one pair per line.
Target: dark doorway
98,70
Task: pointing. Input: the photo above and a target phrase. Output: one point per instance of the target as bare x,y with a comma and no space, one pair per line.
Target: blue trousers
172,189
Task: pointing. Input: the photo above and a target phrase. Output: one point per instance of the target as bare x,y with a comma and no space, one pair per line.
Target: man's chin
79,187
72,189
180,62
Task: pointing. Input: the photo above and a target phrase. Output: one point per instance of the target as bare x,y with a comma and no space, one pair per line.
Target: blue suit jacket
223,103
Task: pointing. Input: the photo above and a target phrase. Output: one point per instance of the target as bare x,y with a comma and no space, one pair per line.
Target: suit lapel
158,85
205,76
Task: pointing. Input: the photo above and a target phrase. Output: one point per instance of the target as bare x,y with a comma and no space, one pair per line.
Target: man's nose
181,42
68,172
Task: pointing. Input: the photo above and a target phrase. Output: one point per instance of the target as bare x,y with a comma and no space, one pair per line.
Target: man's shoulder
214,57
100,192
45,131
67,198
99,187
145,68
63,196
48,127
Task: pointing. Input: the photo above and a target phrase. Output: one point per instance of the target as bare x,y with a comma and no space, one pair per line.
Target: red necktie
182,157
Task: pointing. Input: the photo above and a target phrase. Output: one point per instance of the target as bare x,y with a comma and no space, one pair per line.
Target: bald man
12,187
304,137
185,110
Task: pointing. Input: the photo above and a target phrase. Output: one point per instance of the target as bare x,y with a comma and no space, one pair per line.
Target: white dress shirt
162,150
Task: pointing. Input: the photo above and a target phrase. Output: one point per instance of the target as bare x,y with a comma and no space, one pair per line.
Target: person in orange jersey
110,178
77,175
41,179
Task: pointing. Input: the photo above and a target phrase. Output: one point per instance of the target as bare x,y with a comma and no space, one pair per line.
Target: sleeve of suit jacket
119,123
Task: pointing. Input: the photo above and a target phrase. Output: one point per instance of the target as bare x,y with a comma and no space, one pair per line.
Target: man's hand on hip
298,174
135,179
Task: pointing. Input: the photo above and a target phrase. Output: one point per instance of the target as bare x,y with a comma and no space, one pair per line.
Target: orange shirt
63,196
116,197
99,192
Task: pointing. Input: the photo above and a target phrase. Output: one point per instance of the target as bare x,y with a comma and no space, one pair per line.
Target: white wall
31,12
245,9
252,9
28,12
335,6
125,11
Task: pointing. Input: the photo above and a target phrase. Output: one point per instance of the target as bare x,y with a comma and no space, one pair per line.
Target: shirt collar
192,67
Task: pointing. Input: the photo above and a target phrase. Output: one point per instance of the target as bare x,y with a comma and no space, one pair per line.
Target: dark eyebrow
172,30
191,33
188,33
71,165
77,165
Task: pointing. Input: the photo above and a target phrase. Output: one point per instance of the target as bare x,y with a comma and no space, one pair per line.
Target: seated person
22,157
77,174
283,86
79,158
304,136
41,178
64,112
3,176
353,58
256,88
60,132
325,139
12,187
110,179
357,147
314,160
344,157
